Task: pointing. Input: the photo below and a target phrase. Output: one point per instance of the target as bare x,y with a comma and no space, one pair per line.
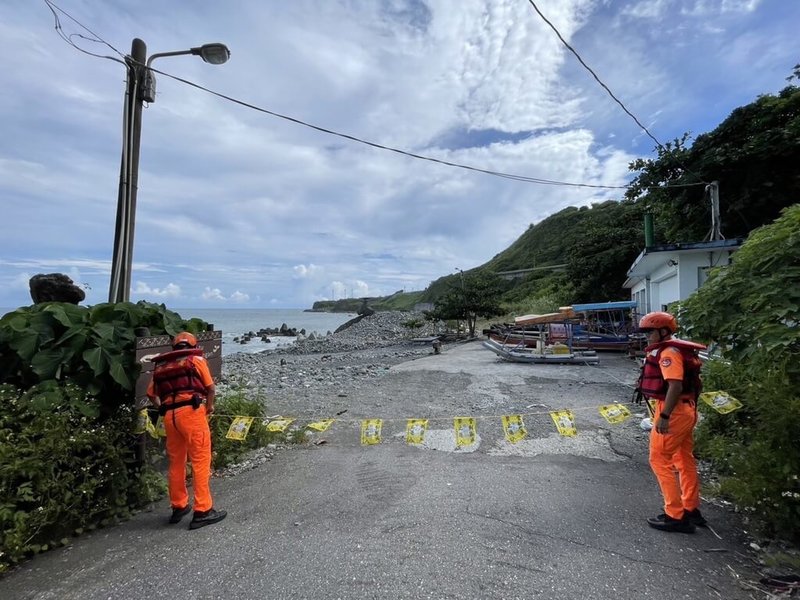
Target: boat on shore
608,326
554,354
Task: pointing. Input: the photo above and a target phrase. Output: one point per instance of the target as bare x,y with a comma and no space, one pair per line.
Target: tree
475,294
612,235
753,155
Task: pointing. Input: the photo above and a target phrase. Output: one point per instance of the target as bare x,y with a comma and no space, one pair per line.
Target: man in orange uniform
183,390
671,376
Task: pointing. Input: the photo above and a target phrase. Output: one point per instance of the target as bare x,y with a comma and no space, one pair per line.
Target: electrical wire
606,88
96,38
511,176
353,138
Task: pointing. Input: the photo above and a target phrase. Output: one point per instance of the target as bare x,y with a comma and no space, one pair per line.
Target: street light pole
122,260
140,87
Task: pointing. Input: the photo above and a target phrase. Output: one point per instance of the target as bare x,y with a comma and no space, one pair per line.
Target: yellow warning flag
279,424
159,431
150,428
466,431
614,413
514,428
320,425
415,430
140,424
371,431
565,422
239,428
722,402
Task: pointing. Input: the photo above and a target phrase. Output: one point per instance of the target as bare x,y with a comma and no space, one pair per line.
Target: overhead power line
68,38
514,177
588,68
607,89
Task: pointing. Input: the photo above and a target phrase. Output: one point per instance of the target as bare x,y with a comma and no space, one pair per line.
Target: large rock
55,287
364,310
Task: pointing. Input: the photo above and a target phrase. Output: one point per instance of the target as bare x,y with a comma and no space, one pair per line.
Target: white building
664,274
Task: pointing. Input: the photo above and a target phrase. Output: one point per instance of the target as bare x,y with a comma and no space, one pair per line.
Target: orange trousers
188,436
672,460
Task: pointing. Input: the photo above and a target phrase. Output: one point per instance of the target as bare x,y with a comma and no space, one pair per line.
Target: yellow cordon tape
465,428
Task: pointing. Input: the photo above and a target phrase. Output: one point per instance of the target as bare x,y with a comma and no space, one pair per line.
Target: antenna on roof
712,189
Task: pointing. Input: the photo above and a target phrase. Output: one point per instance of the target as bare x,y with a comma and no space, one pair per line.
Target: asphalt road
549,517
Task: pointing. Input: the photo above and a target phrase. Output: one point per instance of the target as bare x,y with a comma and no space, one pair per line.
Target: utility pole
122,260
716,223
139,87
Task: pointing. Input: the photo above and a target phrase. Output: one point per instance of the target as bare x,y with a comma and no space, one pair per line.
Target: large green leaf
74,338
26,343
105,331
47,363
67,314
96,359
119,375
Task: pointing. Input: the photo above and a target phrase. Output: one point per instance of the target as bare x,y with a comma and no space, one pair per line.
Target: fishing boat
553,354
594,326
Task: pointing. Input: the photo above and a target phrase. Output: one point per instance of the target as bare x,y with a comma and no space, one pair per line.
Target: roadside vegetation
751,312
69,461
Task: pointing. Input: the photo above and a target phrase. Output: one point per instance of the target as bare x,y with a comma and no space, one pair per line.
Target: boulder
55,287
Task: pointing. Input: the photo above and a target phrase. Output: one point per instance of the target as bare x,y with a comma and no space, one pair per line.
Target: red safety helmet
658,320
184,339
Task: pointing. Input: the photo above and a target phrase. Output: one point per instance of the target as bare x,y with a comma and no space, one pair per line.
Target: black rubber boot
664,522
179,513
696,518
209,517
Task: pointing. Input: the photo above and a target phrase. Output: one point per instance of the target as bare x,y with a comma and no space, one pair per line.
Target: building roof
622,304
654,256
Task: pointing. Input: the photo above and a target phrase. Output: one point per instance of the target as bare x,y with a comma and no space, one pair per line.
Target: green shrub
63,469
752,311
90,347
67,456
236,403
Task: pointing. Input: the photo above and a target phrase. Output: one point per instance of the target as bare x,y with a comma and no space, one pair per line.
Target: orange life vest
652,383
174,373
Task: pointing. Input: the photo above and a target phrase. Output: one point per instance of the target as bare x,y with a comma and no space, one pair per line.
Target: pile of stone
370,331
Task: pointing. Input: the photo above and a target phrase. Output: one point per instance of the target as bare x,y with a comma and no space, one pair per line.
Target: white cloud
305,272
704,8
212,294
21,281
648,9
239,297
171,290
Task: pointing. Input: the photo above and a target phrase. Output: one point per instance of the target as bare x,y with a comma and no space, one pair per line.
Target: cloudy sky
237,208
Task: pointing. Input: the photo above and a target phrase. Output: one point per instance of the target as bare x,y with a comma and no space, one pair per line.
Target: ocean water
233,322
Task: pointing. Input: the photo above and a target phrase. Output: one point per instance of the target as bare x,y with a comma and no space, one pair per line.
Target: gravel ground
307,374
319,377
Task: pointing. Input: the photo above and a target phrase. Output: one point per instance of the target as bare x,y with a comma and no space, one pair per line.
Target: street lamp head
214,54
